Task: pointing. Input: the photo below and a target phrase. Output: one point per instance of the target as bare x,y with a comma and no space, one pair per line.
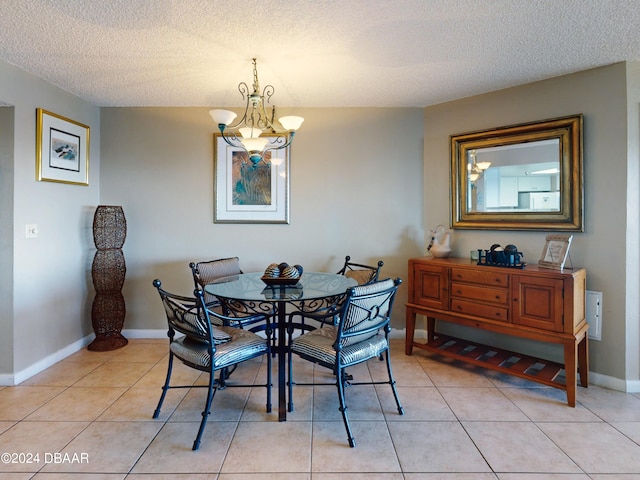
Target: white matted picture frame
62,149
245,192
555,252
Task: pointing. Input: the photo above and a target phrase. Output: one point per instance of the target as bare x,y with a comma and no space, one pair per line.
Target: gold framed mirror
520,177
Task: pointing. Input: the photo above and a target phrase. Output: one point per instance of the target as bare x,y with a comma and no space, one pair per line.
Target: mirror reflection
522,177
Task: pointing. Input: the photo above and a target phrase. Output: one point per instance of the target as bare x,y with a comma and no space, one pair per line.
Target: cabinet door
508,192
538,183
537,302
430,286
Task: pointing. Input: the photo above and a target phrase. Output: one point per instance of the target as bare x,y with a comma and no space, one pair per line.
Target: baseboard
633,386
155,333
613,383
48,361
19,377
396,334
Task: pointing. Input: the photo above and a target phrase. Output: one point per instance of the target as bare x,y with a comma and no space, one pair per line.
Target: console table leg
570,367
410,326
431,329
583,361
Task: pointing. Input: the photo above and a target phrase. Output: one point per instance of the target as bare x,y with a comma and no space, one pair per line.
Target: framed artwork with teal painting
247,192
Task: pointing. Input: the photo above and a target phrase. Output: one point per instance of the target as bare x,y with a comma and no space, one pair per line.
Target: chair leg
269,371
165,387
290,375
392,382
343,408
222,378
207,410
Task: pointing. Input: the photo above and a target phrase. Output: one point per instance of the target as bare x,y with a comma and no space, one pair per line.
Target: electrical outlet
594,314
31,230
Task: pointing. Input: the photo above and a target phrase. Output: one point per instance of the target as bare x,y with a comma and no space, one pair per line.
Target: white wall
356,189
50,280
601,95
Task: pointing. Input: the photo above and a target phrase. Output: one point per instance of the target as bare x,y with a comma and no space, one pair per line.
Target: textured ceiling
316,53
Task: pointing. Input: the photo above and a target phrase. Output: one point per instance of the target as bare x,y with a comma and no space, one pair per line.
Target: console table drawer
480,310
476,292
483,277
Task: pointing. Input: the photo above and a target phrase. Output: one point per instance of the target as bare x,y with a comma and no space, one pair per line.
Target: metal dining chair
361,334
206,272
360,272
208,347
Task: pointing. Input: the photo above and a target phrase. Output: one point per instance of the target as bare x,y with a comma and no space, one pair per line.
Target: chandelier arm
258,116
276,144
243,88
243,119
230,138
267,93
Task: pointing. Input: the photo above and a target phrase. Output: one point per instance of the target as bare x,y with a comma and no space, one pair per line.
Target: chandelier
476,169
245,133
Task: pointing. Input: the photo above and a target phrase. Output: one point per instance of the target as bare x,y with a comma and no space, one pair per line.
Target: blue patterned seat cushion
318,344
242,346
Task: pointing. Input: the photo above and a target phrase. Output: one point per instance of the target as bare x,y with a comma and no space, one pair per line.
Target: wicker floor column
108,272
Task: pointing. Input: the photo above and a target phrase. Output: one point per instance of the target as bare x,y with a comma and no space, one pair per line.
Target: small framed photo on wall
62,149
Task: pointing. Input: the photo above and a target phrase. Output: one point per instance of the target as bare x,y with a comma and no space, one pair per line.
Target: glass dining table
247,293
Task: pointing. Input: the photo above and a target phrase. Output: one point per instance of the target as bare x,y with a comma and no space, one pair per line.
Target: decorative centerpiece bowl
282,274
271,281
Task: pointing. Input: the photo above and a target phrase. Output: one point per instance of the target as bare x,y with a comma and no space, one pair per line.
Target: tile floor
89,417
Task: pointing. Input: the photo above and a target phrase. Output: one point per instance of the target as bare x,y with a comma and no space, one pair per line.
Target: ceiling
316,53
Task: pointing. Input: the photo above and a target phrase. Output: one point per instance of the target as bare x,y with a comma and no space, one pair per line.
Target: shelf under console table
534,303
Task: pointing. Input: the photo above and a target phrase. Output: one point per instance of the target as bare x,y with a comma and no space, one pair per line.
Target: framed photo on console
555,252
62,149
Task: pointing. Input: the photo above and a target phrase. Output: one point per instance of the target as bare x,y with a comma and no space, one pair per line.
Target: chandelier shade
223,117
291,123
246,132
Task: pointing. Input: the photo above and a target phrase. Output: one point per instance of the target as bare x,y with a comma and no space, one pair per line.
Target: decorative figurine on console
497,256
440,244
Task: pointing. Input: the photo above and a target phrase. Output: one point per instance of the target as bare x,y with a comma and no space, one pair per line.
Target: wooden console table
533,303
